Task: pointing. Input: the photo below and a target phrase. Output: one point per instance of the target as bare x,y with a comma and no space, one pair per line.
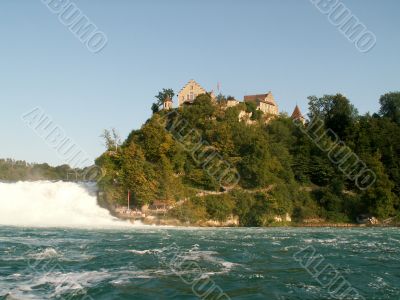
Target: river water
57,243
142,262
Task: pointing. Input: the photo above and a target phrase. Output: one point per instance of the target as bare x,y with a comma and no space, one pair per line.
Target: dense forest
282,170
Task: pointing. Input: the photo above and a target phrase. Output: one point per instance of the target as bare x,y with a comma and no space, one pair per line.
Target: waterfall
53,204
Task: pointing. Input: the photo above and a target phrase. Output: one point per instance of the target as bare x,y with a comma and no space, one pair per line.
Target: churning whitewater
52,204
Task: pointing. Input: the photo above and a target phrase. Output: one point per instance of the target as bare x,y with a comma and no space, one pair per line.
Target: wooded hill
281,169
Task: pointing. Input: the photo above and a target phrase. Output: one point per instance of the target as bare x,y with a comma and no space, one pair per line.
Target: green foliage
161,98
164,95
191,211
390,106
252,108
379,199
336,111
137,175
219,207
200,114
155,108
282,171
15,170
111,138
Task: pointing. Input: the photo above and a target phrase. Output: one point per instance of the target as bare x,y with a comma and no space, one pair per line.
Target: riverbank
162,217
234,222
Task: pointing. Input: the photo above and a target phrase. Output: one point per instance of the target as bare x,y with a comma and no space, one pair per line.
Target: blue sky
249,46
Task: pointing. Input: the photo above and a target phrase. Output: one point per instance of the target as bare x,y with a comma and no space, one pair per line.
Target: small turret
167,105
297,115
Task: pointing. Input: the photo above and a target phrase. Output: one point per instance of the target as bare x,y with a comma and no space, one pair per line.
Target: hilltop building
167,105
297,115
189,92
231,102
264,102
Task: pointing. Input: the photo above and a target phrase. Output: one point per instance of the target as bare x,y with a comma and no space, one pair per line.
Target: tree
165,94
336,111
161,98
281,169
220,98
257,167
200,113
251,107
380,134
170,187
108,142
379,199
155,108
219,207
112,139
154,140
116,138
137,176
390,106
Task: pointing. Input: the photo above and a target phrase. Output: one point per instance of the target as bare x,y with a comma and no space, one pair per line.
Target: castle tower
167,105
297,115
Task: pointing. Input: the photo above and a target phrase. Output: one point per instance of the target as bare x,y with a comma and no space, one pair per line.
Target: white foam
45,254
63,283
141,252
53,204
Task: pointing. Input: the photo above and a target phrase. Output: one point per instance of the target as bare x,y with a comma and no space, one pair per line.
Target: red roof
265,98
297,113
259,97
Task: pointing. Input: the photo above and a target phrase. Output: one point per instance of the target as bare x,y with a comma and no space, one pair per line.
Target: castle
264,102
189,93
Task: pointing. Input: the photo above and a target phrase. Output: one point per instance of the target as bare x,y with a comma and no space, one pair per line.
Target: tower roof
297,113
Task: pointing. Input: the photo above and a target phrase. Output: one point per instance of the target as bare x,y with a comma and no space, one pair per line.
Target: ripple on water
242,261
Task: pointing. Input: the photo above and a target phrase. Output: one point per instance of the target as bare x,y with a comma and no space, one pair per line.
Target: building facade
189,92
167,105
264,102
